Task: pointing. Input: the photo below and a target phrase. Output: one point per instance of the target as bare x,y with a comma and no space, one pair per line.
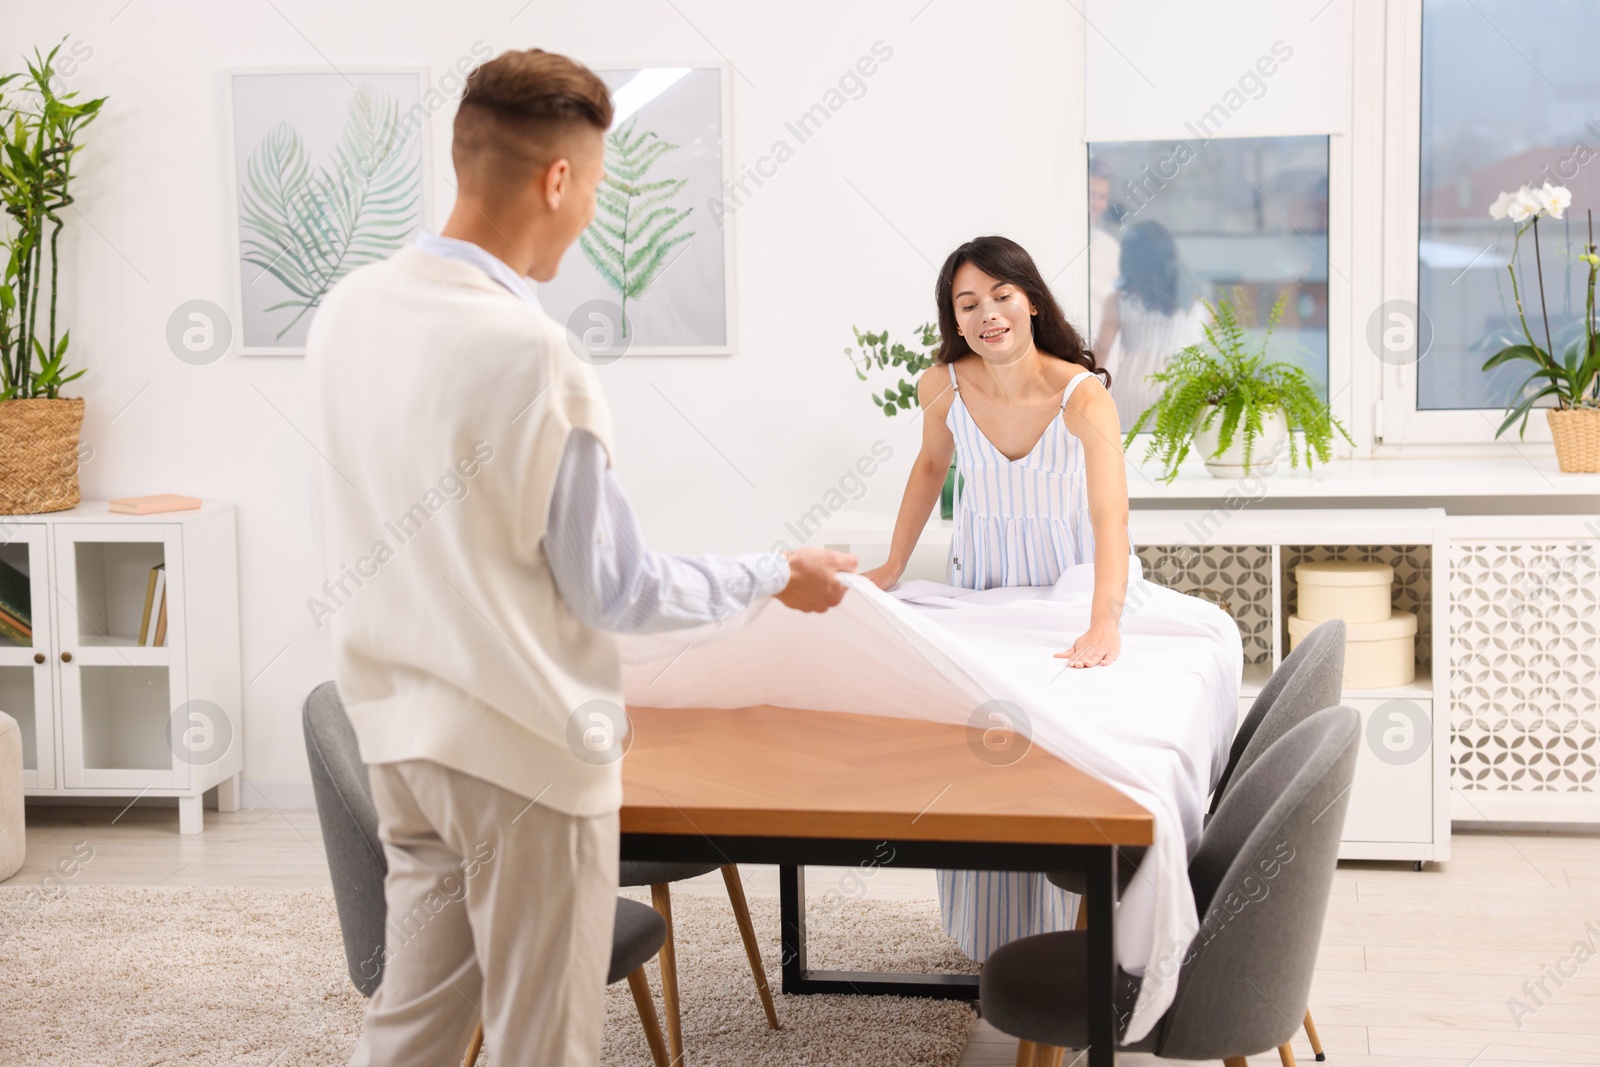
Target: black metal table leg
798,978
792,916
1101,869
790,854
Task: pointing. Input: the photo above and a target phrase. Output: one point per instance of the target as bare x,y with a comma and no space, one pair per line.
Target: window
1510,97
1175,222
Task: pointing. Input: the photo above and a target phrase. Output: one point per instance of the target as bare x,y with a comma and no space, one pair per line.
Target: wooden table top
779,772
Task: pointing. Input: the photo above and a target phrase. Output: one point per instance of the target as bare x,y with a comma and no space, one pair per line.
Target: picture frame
328,169
687,307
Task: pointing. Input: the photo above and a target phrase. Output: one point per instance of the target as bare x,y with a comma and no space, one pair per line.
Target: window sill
1411,479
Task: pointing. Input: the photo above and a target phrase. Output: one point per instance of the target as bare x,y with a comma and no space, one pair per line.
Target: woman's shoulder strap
951,367
1066,394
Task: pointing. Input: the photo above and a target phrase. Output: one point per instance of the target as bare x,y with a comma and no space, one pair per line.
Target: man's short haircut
520,107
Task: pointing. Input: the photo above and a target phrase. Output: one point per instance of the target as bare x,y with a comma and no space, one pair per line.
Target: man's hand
814,583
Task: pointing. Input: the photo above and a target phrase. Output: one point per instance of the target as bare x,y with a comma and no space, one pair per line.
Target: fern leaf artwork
310,228
634,225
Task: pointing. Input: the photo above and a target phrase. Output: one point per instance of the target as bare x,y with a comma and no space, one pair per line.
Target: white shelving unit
1244,558
102,715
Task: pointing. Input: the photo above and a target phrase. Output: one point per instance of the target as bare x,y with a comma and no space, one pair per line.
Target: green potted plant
1574,378
38,427
1233,405
877,353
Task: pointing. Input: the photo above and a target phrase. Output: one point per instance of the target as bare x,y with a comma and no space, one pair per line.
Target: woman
1018,400
1154,312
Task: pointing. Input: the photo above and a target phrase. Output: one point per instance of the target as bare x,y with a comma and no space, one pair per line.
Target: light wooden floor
1416,969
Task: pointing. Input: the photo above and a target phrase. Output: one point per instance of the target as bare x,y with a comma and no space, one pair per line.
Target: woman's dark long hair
1004,259
1152,271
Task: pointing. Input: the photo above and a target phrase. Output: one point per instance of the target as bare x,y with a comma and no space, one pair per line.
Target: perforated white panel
1525,661
1239,578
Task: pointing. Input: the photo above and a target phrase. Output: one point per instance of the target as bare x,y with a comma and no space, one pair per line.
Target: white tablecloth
1157,724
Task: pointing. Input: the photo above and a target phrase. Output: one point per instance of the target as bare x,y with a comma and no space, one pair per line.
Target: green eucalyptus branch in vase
878,353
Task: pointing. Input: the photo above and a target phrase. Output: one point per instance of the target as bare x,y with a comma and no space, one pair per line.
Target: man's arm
610,581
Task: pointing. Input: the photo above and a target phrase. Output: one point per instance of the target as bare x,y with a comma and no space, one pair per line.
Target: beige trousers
498,908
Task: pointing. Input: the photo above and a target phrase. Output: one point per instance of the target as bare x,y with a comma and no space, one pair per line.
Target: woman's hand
1098,647
884,577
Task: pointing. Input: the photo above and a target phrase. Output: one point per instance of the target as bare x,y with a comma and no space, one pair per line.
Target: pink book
150,505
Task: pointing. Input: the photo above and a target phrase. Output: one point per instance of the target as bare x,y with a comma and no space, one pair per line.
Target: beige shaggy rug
134,976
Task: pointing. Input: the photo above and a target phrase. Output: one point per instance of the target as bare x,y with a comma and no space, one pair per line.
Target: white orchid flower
1527,203
1524,205
1554,199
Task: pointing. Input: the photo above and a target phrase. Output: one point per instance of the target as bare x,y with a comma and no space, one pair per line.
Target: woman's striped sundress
1017,522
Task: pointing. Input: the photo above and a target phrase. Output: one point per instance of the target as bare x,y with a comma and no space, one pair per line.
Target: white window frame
1350,398
1374,169
1403,427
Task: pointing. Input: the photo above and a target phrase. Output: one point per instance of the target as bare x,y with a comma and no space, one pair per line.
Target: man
484,547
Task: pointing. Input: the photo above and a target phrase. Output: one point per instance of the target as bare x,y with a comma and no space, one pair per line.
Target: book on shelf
155,608
152,505
10,627
16,604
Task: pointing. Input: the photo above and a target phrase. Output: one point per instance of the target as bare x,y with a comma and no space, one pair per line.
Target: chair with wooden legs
356,860
635,939
1263,875
1309,679
659,877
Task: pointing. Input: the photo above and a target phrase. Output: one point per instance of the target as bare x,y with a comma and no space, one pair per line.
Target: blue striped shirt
606,576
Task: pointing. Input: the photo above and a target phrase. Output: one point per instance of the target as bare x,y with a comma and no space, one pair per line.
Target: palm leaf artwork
308,229
631,234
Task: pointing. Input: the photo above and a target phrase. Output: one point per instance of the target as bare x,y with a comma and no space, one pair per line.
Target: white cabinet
1245,559
1392,799
28,671
1525,655
103,714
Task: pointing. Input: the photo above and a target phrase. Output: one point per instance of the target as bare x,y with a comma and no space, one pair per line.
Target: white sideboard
101,714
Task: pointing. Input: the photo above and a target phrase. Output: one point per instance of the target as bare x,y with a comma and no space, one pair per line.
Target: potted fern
1234,405
878,354
38,427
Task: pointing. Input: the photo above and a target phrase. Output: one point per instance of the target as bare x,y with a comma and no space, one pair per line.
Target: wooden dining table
796,788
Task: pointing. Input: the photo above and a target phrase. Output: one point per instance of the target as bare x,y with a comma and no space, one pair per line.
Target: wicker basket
1576,432
39,455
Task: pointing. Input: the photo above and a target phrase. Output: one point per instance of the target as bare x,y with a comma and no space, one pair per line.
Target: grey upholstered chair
357,865
1261,877
659,876
1309,679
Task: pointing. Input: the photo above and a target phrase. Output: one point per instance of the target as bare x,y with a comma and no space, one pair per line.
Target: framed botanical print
653,273
330,172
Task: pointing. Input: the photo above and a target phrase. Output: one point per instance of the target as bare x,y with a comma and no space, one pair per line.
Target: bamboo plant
39,131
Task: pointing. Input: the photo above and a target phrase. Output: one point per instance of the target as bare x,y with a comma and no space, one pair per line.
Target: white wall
962,132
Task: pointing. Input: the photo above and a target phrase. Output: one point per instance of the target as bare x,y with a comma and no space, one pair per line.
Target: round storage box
1344,589
1377,655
